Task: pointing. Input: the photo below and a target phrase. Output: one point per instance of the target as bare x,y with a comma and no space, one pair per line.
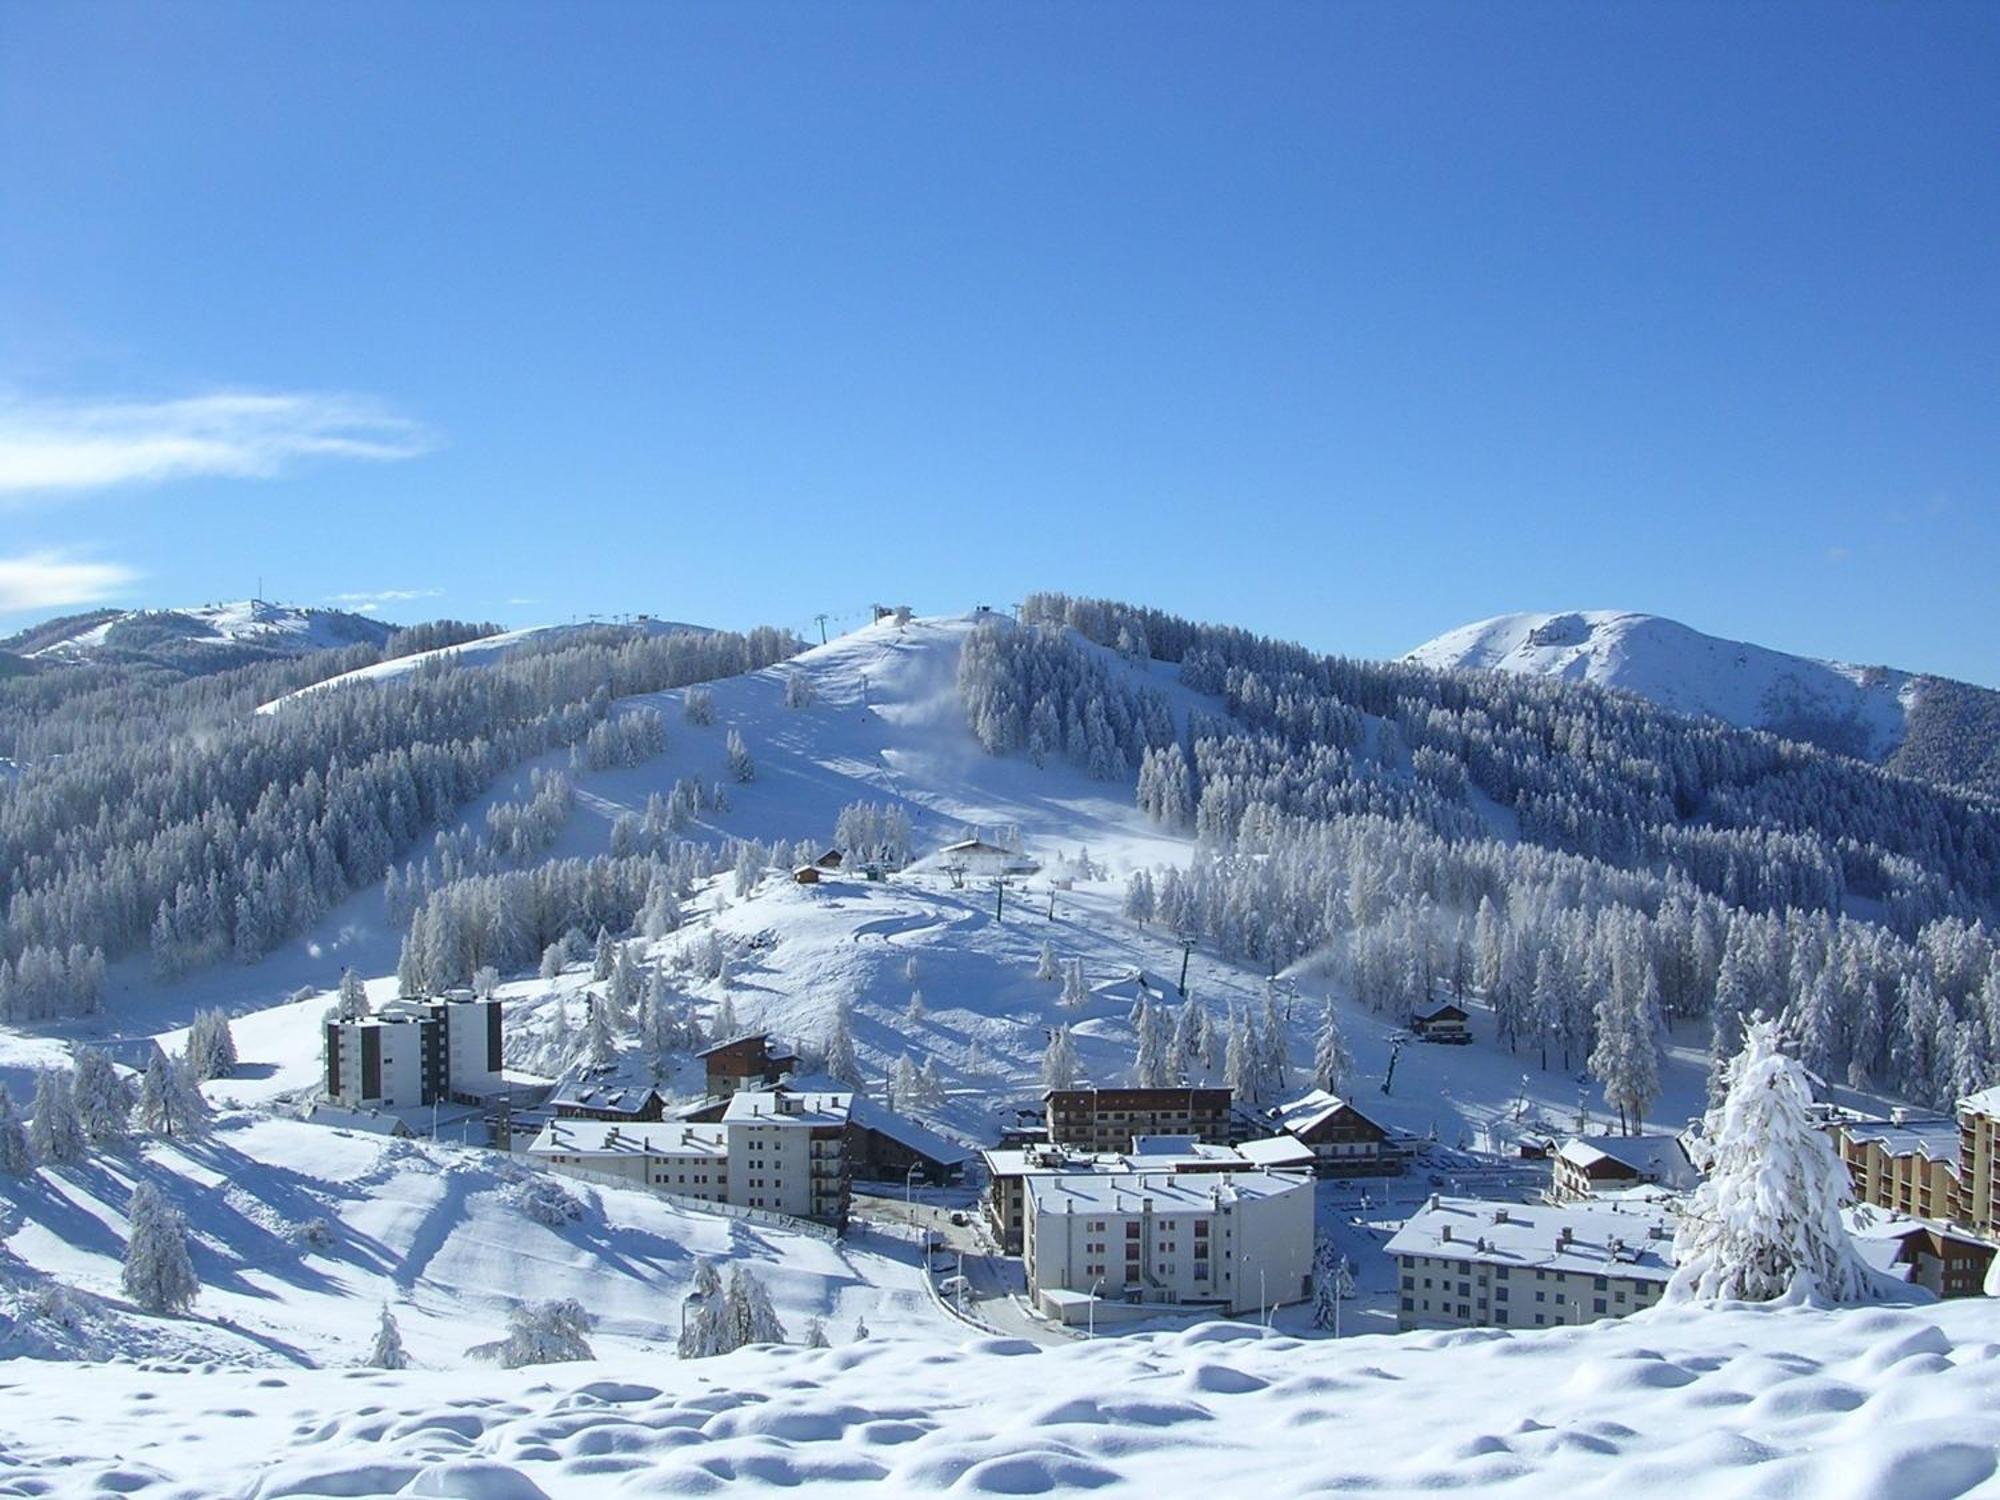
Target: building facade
749,1061
1344,1142
781,1151
414,1053
1093,1119
1977,1202
1908,1163
1236,1241
1466,1263
1586,1167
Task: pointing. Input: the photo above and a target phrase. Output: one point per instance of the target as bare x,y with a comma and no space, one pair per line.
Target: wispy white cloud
60,448
1838,554
50,580
372,602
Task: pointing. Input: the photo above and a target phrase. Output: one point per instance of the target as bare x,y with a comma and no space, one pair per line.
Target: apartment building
1094,1119
1977,1203
1587,1167
1008,1170
1237,1241
1908,1163
1344,1142
1467,1263
776,1150
414,1053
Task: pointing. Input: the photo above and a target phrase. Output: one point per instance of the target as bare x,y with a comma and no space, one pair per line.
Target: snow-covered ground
301,1232
1737,1402
1682,669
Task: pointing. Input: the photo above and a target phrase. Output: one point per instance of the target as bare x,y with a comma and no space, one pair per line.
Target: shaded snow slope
431,1229
1727,1403
1860,711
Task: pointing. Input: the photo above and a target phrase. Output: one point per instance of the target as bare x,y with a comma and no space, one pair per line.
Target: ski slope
1862,711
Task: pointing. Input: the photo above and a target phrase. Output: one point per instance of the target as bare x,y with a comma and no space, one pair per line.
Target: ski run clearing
301,1233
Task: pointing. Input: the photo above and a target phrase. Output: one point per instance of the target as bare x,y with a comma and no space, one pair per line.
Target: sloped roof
615,1138
1659,1157
373,1121
625,1087
1310,1111
1933,1137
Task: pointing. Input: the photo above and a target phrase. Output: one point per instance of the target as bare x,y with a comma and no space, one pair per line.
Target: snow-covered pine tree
387,1353
17,1155
55,1132
1325,1285
1331,1059
1150,1068
1139,903
799,692
905,1086
860,1328
600,1046
103,1101
915,1011
1075,993
211,1047
816,1334
1059,1066
841,1062
170,1101
748,1316
1767,1218
741,766
158,1274
704,1321
930,1087
910,969
604,956
546,1333
1240,1067
351,1000
1046,968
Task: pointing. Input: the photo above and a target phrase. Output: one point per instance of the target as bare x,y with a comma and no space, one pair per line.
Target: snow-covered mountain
245,628
1910,721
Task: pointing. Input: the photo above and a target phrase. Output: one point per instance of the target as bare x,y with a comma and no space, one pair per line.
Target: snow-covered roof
373,1121
1659,1158
870,1114
737,1040
1630,1239
788,1107
1310,1111
1985,1102
1933,1137
1281,1151
619,1138
624,1087
1447,1011
1169,1192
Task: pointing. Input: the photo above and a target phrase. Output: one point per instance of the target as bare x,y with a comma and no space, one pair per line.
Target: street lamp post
1091,1332
910,1181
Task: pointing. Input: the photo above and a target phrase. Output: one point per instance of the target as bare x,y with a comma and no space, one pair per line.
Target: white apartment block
1467,1263
413,1053
1235,1241
778,1150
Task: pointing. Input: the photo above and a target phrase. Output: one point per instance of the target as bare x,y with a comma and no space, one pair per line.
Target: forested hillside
1590,861
157,812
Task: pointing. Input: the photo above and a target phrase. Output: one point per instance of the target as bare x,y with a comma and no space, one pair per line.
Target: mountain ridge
1916,722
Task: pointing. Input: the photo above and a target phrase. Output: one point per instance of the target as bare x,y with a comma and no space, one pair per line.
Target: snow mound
1731,1401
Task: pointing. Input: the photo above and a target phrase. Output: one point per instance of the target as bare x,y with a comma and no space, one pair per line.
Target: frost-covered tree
1075,993
1767,1218
704,1318
158,1275
600,1045
17,1154
906,1086
604,956
553,958
1152,1067
1059,1064
170,1101
1139,901
1047,969
351,999
799,690
211,1046
1331,1058
103,1100
841,1062
915,1010
748,1317
860,1328
910,969
545,1333
741,766
387,1353
1242,1066
1326,1293
698,706
816,1334
55,1132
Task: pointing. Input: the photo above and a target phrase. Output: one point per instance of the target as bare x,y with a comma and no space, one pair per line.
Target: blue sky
1347,322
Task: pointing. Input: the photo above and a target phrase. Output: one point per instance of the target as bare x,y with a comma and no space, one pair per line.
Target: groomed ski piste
302,1233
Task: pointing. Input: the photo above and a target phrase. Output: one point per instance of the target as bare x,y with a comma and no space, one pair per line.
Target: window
1409,1283
1598,1306
1500,1294
1407,1307
1601,1284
